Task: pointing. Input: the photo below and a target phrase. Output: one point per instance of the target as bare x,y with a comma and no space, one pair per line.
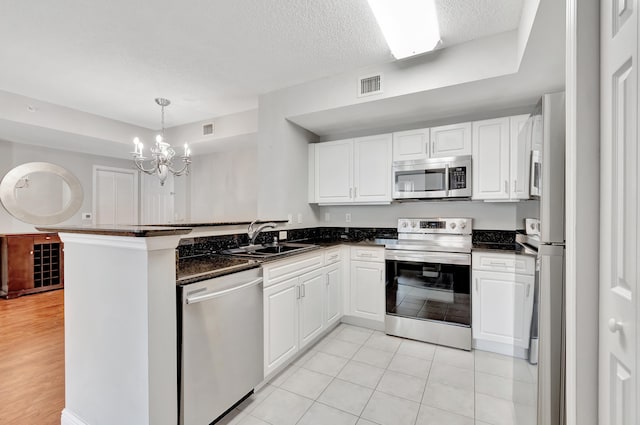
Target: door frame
136,188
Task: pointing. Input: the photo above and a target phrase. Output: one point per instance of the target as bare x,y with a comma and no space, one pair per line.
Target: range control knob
413,224
463,224
452,225
404,224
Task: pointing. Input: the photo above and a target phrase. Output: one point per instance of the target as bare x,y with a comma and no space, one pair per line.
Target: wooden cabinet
436,142
501,159
367,297
502,302
451,140
30,263
351,171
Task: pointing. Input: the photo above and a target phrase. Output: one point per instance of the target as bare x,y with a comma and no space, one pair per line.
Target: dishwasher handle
217,294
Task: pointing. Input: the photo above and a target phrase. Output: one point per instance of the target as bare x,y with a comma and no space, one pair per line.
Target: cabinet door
502,305
367,290
451,140
19,261
372,168
520,142
491,159
333,298
411,145
312,289
334,171
280,323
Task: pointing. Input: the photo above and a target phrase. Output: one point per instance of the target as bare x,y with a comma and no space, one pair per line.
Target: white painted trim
504,349
570,214
69,418
364,323
154,243
136,187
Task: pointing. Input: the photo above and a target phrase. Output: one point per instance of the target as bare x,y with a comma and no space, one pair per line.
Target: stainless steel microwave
432,178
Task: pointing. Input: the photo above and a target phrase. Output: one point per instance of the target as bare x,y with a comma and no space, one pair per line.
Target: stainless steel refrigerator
546,350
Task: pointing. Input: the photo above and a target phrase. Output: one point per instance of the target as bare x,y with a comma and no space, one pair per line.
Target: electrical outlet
282,235
327,216
299,218
347,217
290,218
87,216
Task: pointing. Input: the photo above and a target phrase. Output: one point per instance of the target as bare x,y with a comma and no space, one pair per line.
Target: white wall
224,186
79,164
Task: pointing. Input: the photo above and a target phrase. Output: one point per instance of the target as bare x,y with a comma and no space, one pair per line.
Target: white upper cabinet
520,163
353,171
372,169
437,142
491,159
334,171
451,140
411,145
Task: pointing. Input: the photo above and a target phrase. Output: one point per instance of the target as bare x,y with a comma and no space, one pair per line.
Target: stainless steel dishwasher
220,353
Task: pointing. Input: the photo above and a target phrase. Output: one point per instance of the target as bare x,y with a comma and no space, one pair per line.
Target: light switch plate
327,216
282,235
299,218
347,217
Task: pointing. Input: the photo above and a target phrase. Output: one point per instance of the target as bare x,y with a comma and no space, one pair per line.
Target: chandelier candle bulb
186,149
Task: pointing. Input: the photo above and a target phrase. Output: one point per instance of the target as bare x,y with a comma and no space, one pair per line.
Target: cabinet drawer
286,268
332,255
46,238
367,253
513,263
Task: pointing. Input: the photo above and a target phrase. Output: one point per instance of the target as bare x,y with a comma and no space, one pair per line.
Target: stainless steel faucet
253,233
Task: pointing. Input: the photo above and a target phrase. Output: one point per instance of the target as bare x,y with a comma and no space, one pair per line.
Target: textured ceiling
210,57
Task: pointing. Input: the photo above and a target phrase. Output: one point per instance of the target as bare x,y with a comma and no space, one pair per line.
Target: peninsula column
120,326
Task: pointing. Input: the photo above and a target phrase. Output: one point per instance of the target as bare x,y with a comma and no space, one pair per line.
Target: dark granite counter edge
216,273
216,224
135,231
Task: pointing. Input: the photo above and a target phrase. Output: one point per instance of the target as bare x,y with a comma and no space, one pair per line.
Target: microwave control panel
457,178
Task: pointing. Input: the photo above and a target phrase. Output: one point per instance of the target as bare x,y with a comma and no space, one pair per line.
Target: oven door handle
446,180
429,257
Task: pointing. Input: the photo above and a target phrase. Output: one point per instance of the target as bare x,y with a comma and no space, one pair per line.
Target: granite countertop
195,269
217,223
116,230
504,248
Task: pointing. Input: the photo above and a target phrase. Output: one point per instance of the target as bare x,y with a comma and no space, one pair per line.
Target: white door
333,300
280,323
451,140
411,145
367,290
115,196
312,289
372,168
502,307
334,171
491,159
520,152
157,200
619,396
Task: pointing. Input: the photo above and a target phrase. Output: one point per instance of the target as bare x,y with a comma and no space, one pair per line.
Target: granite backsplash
507,237
190,247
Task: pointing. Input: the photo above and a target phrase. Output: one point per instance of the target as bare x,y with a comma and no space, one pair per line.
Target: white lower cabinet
312,295
333,301
280,323
502,302
302,298
367,297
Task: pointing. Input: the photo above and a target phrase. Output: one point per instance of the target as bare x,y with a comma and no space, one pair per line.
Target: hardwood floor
32,359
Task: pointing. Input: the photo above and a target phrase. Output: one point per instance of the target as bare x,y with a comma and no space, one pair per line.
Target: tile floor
356,376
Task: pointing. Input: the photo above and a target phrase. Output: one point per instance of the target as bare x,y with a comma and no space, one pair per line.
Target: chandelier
161,161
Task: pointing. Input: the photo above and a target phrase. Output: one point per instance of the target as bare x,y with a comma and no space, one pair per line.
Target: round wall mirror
41,193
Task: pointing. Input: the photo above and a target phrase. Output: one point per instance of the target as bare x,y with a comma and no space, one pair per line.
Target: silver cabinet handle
426,148
381,276
350,193
515,186
433,147
355,192
498,263
365,254
528,290
506,186
297,292
614,326
476,284
304,289
217,294
333,257
326,279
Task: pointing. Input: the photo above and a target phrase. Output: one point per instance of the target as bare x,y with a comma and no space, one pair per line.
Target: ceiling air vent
371,84
207,129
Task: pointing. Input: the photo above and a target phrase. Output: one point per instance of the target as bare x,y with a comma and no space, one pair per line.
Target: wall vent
370,84
207,129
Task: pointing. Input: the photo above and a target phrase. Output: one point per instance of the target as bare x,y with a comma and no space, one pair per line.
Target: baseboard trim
365,323
499,348
69,418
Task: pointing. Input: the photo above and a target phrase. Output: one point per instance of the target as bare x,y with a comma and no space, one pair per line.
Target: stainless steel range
428,293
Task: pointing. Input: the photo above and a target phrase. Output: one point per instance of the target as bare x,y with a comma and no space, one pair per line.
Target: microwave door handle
446,180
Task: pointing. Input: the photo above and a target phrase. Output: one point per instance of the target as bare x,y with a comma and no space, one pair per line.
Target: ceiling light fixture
162,154
409,26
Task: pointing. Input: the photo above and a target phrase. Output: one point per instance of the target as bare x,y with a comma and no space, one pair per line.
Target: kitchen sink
270,250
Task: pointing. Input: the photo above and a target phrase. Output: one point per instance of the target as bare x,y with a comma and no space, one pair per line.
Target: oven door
429,286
